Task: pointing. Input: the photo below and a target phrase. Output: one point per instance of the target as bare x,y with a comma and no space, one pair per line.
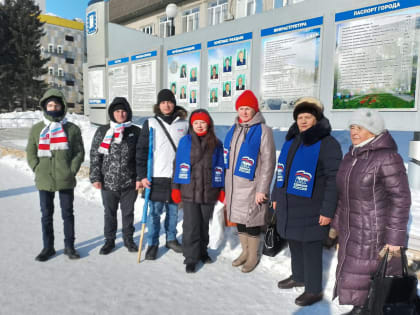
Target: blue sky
68,9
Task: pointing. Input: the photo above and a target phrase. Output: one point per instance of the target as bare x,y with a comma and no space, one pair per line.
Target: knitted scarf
52,137
115,132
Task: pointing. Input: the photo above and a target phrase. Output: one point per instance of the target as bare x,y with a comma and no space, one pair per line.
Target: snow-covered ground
116,284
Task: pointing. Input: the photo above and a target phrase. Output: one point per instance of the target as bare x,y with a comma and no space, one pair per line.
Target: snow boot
151,252
252,259
174,245
45,254
190,268
71,253
107,248
243,238
131,246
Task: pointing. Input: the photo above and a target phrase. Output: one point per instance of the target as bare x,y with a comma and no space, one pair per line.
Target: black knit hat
166,95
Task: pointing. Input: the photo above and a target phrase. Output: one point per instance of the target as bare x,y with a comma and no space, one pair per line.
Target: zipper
233,167
348,219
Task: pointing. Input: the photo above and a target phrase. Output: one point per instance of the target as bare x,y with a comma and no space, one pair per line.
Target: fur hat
247,98
166,95
369,119
308,104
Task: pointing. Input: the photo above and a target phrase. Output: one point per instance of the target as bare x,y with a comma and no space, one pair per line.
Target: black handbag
392,295
273,243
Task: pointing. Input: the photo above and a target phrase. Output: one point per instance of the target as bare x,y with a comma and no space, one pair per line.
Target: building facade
149,15
64,44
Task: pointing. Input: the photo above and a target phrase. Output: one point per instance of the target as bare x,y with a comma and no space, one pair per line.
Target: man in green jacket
55,152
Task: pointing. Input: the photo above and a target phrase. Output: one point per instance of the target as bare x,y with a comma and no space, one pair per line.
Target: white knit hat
369,119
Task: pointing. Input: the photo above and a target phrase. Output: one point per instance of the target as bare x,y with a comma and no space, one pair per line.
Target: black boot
174,245
107,248
45,254
151,252
131,246
190,268
206,259
71,253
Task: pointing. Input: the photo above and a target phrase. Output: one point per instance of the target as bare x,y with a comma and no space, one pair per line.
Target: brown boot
243,238
252,260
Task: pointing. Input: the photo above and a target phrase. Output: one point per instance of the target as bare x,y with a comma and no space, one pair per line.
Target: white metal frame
191,20
217,11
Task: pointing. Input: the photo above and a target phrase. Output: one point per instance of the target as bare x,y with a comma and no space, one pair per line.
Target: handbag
389,295
273,243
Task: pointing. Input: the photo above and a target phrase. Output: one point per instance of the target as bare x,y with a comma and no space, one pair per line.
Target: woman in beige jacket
249,154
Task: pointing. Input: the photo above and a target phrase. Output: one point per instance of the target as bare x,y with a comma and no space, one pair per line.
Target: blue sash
248,153
183,164
303,169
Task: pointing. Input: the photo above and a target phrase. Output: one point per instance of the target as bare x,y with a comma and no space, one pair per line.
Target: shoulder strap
166,133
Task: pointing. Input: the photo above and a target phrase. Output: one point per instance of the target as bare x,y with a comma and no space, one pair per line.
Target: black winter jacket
200,189
298,217
117,170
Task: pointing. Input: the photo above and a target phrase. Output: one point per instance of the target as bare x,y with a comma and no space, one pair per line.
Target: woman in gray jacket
249,155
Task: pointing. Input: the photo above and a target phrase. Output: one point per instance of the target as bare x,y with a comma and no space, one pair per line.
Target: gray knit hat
369,119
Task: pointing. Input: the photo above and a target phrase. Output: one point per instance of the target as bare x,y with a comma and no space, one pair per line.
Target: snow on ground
28,119
113,284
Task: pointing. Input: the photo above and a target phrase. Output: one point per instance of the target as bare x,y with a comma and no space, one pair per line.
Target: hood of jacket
257,119
115,102
47,95
312,135
383,141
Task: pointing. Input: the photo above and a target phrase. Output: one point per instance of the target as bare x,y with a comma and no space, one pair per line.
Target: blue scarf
183,164
303,169
248,153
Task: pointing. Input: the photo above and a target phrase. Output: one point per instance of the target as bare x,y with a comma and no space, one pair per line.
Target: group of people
363,198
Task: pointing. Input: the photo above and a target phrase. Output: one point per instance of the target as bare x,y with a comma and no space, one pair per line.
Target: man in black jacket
113,170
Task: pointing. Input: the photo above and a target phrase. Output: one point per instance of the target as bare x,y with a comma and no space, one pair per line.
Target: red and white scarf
52,137
115,132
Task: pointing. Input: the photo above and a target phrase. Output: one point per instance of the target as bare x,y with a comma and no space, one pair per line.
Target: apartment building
64,43
149,15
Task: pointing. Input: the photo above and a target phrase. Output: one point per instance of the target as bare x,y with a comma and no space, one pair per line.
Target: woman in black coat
305,195
198,182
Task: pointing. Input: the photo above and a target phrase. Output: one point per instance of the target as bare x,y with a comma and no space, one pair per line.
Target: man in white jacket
170,125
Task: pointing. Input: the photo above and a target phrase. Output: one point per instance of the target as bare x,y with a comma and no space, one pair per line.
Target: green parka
57,172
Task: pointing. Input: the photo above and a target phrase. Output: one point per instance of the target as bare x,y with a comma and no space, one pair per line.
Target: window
60,72
69,38
166,26
190,20
50,48
70,60
50,83
147,29
69,82
59,49
42,49
51,70
71,105
253,6
279,3
217,12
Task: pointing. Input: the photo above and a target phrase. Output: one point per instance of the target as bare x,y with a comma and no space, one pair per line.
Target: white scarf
114,133
52,137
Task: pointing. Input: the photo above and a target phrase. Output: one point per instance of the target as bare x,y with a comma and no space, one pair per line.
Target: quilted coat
373,209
